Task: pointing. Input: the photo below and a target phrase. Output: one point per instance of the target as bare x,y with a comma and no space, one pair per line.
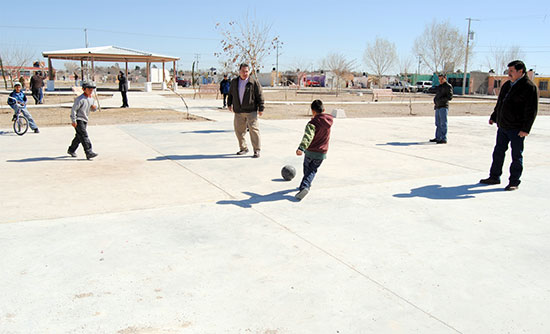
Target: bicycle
20,122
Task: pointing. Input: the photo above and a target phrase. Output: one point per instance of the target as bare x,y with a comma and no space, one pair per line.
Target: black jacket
122,83
517,105
443,96
253,99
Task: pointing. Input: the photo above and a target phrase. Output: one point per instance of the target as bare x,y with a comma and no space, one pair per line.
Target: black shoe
13,118
36,130
433,140
489,180
301,194
511,187
442,141
241,152
91,155
72,154
256,154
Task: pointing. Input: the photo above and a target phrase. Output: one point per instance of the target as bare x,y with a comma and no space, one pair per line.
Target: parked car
422,86
401,86
183,82
313,83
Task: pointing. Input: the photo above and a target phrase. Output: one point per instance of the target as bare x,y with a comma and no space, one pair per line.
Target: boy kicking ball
314,145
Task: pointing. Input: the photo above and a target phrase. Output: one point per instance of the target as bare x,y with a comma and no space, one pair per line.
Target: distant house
543,83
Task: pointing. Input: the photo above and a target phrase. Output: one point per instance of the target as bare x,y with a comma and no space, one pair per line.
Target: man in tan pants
246,101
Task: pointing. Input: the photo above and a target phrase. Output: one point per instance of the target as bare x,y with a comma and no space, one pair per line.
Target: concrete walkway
168,231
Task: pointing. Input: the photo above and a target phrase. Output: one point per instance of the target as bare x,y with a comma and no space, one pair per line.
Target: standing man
245,99
37,82
224,89
123,88
79,119
514,114
441,105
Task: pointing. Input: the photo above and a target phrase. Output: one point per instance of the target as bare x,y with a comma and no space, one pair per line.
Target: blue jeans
310,169
441,123
26,113
516,142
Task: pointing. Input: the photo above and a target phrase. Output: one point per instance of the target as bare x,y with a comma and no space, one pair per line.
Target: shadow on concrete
397,143
437,192
7,133
198,157
207,131
280,180
257,198
37,159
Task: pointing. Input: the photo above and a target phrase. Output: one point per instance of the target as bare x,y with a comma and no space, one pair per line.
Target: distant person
314,144
123,88
75,79
36,83
23,83
441,106
224,89
79,120
18,102
246,100
514,114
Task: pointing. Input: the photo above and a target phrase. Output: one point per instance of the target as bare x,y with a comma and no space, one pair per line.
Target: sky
309,30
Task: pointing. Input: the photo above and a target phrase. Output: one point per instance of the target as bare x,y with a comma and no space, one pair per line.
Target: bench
377,93
208,89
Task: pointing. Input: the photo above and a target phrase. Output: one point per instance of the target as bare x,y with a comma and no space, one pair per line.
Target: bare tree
15,57
246,41
339,65
441,45
301,64
380,57
500,56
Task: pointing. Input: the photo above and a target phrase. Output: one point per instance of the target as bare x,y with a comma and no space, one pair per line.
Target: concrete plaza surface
168,231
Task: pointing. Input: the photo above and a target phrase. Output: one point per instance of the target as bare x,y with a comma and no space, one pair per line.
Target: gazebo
110,54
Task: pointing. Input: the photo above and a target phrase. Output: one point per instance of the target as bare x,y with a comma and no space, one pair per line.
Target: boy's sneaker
91,155
72,154
511,187
241,152
301,194
36,130
256,154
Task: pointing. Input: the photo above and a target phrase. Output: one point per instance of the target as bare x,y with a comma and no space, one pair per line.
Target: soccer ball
288,172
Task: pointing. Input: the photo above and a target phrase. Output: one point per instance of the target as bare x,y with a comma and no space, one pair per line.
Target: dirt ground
60,116
422,106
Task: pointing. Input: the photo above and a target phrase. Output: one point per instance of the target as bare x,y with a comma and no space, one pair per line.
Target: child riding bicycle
18,102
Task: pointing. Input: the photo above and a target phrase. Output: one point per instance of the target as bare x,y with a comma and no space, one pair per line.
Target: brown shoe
241,152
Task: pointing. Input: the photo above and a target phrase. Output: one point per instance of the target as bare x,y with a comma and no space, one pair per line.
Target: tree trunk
3,73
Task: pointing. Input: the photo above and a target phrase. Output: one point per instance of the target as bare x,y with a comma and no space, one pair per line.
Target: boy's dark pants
310,169
225,100
81,137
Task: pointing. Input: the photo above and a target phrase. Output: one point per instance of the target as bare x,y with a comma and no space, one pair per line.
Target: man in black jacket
123,88
441,106
514,114
246,101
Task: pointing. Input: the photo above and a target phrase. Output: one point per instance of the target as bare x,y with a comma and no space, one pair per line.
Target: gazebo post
148,84
51,82
93,69
127,78
81,69
163,77
175,83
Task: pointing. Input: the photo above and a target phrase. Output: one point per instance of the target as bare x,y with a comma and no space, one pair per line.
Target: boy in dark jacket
314,144
224,89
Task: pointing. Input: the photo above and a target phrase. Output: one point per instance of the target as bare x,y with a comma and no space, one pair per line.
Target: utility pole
277,65
418,70
468,37
197,56
86,36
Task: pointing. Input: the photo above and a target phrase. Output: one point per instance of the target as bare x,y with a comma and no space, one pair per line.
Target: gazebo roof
108,53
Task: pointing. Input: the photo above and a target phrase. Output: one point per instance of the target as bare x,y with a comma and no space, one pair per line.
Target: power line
110,31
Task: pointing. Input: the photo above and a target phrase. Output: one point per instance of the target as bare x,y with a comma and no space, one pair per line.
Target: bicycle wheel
21,125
